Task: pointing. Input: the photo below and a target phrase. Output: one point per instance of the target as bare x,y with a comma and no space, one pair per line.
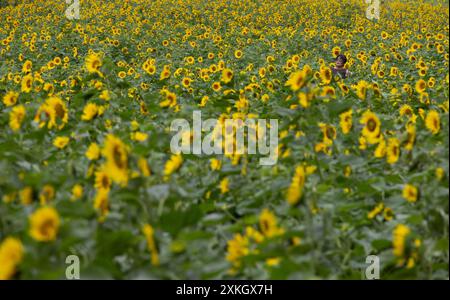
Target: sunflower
11,254
346,121
336,51
227,75
149,234
262,72
90,111
10,98
47,194
399,240
204,101
393,72
237,248
322,147
422,72
55,110
93,151
213,68
101,203
329,133
372,126
51,65
139,136
60,142
170,100
375,211
57,60
26,195
410,193
143,108
268,224
380,150
186,82
424,98
105,95
289,64
431,82
399,236
224,185
27,83
165,73
116,154
326,75
241,104
407,89
348,43
410,137
238,54
343,87
432,121
406,110
143,167
16,117
295,190
173,164
388,214
305,99
102,180
149,68
439,173
130,71
48,87
59,108
216,86
190,60
421,85
215,164
297,80
328,91
361,89
44,224
93,63
77,192
392,150
26,68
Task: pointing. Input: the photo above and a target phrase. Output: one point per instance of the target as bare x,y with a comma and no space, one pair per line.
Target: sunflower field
86,167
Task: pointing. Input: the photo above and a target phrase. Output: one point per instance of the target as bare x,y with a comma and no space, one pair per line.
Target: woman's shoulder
343,72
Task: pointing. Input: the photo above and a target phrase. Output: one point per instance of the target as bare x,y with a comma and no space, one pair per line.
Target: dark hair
342,57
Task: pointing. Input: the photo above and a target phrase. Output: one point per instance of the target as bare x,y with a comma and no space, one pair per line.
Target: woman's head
341,59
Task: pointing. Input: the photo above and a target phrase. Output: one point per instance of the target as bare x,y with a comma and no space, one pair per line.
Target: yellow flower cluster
11,253
86,108
242,245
